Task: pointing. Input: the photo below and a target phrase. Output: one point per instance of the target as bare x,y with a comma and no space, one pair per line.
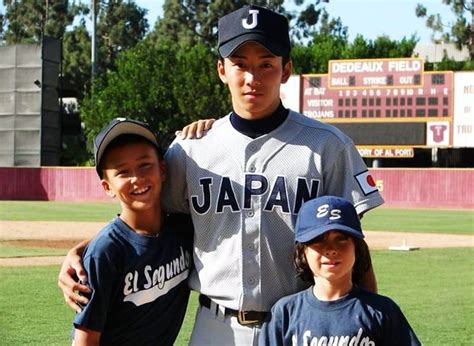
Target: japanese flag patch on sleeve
366,182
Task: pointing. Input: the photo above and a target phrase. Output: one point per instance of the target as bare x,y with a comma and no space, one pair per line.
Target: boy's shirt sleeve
102,276
272,332
398,331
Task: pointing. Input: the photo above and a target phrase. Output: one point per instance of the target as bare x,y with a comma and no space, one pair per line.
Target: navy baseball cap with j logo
254,23
324,214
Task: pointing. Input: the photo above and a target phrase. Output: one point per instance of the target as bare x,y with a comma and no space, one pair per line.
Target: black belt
244,317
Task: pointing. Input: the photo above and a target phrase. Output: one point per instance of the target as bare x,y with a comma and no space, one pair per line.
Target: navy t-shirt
359,318
139,283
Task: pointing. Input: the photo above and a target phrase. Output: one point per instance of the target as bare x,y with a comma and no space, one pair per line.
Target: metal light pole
93,43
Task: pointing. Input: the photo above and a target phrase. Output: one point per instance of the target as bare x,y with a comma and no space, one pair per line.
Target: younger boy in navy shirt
331,253
138,264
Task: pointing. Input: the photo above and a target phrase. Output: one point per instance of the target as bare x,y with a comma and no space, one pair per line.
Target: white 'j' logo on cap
253,23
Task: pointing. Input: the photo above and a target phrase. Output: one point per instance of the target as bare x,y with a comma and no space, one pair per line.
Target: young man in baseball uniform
244,182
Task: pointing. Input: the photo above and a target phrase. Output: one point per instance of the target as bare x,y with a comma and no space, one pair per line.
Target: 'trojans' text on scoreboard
375,73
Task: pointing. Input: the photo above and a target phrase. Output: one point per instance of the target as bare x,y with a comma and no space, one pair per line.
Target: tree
77,60
328,43
29,21
165,85
461,32
2,24
331,42
121,25
190,22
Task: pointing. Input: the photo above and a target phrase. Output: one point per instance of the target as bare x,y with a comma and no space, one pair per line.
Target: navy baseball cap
118,127
254,23
324,214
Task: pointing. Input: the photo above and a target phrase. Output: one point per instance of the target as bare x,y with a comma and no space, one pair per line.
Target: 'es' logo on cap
253,21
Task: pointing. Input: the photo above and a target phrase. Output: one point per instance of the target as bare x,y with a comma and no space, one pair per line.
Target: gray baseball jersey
244,194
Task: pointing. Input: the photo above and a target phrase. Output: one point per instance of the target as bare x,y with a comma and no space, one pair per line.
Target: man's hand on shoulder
195,129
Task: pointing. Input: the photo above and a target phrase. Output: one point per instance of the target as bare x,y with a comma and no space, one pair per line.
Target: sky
371,18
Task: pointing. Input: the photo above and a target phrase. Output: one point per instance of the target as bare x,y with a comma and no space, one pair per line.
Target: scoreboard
433,99
382,102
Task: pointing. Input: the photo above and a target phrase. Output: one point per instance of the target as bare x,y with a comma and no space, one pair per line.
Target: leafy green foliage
189,22
448,64
76,60
331,42
29,21
121,25
460,32
165,85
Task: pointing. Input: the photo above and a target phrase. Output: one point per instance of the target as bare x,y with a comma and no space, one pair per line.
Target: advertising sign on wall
463,122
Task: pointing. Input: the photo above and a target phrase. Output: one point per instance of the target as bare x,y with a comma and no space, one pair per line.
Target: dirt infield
56,234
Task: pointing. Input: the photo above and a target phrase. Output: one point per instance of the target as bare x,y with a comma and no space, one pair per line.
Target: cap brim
309,235
226,49
122,128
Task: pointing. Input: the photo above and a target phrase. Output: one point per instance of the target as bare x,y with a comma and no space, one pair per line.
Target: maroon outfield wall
426,187
51,184
418,188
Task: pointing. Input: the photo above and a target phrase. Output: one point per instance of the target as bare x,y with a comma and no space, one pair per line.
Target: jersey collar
259,127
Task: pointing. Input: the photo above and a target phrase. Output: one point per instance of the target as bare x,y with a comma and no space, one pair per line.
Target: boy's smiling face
254,76
134,174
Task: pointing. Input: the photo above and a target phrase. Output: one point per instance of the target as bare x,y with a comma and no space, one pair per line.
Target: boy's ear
221,71
286,74
107,189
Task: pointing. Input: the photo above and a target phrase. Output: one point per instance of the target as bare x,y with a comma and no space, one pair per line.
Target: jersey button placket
250,264
250,237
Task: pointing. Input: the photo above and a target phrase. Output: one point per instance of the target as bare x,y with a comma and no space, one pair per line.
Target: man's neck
257,127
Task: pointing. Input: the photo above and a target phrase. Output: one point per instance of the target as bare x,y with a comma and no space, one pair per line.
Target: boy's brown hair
361,265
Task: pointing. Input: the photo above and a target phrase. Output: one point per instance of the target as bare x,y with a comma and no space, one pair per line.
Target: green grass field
380,219
26,251
57,211
434,287
419,220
